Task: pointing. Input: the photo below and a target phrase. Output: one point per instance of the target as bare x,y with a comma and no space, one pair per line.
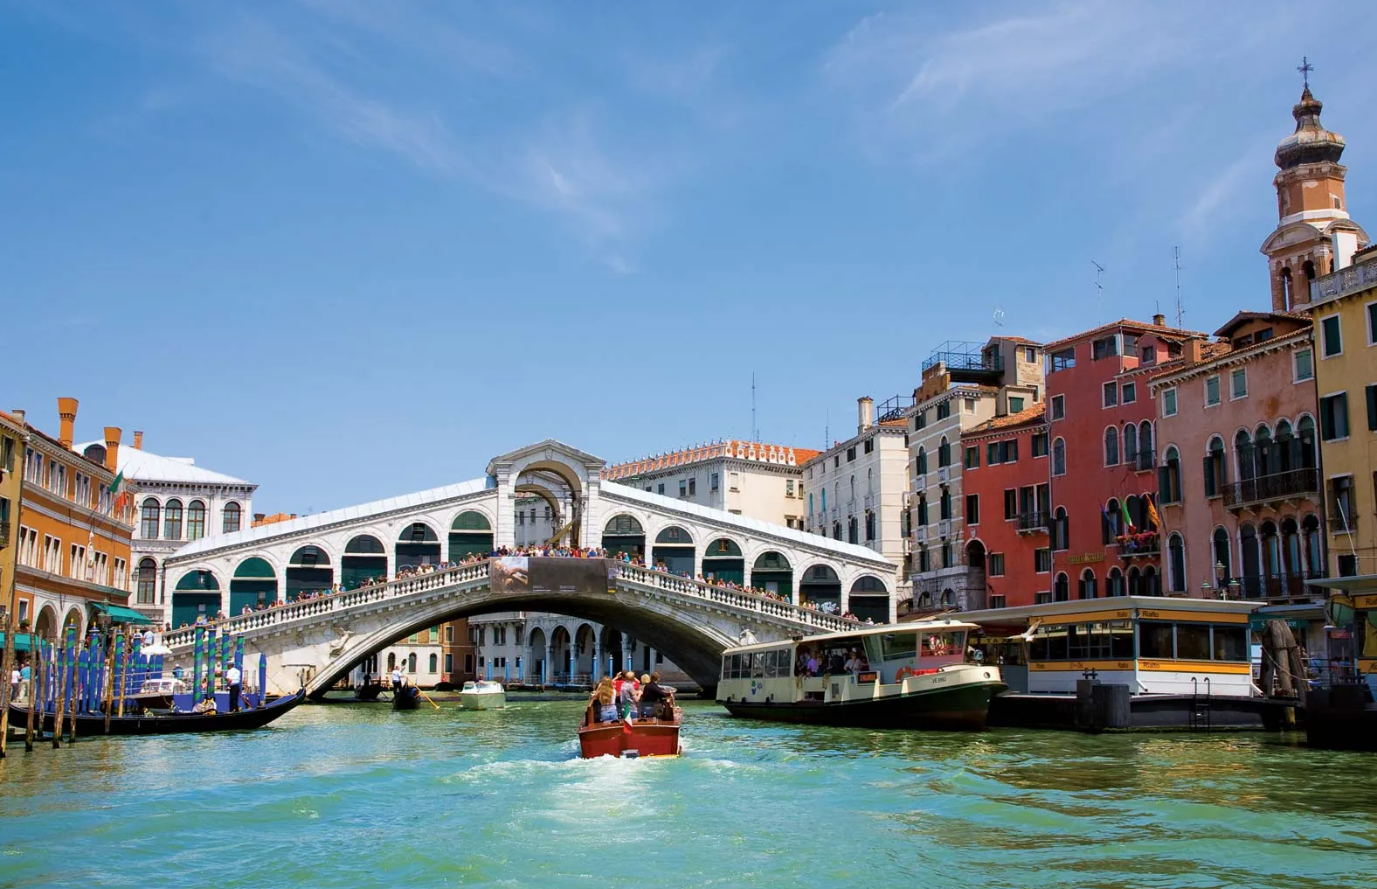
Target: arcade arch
674,550
364,560
308,571
253,585
772,573
724,562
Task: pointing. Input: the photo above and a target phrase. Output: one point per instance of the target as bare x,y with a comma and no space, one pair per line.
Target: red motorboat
645,737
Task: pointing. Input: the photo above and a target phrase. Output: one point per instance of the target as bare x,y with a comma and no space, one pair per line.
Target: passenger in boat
604,702
628,697
206,707
655,698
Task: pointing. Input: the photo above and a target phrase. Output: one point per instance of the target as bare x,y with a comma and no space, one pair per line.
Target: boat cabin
838,667
1154,645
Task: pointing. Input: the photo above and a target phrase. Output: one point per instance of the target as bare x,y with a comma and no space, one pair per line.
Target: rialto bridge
318,640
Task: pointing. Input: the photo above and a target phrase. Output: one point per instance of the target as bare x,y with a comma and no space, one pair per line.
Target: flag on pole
115,485
1129,527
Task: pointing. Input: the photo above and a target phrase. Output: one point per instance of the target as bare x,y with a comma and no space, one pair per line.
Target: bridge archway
364,559
624,534
417,545
539,665
585,650
869,599
674,550
308,571
773,573
254,583
821,586
196,594
561,644
470,534
724,562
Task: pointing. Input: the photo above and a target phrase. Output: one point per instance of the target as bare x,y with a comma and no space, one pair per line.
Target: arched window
1061,590
1135,581
1243,456
1152,584
1291,548
1219,545
1059,457
1176,563
1287,293
1314,549
853,489
853,530
195,520
1132,507
870,524
870,481
922,461
1114,583
1145,445
1169,477
1086,586
922,509
1061,529
945,504
391,661
1305,431
1109,522
1111,446
1271,558
411,662
148,526
944,453
147,582
1264,454
948,598
172,520
1214,468
434,663
1130,442
230,518
1285,445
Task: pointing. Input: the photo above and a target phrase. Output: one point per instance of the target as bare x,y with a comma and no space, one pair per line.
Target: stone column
545,664
626,651
573,658
597,659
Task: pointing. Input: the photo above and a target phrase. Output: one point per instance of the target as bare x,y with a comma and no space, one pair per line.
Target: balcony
1284,588
1347,280
1145,545
920,534
944,529
967,362
1342,523
1033,523
1279,486
943,475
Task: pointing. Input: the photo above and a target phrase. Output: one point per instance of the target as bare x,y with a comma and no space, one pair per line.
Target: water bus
1184,662
909,675
482,695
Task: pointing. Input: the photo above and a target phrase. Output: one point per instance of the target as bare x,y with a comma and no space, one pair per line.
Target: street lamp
1219,571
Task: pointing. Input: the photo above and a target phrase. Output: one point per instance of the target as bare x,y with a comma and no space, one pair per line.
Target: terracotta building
72,549
1104,456
1239,489
1005,470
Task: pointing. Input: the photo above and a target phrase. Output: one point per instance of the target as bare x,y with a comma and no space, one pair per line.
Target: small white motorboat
482,695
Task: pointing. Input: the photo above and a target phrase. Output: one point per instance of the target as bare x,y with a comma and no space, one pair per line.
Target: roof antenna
1176,256
999,316
826,428
755,431
1099,288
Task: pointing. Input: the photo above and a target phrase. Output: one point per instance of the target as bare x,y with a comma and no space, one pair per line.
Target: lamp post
1219,588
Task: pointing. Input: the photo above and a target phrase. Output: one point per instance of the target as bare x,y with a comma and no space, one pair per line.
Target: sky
348,250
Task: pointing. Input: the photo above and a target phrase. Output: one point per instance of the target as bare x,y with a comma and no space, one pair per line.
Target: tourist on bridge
235,679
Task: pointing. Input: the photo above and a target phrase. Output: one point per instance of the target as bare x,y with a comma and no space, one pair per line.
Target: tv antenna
755,431
999,316
1176,264
1099,287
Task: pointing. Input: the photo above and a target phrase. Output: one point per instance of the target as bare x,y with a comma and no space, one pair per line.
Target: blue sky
352,249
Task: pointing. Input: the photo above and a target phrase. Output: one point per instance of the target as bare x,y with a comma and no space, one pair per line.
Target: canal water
358,796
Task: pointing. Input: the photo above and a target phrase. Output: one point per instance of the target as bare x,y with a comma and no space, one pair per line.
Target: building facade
12,437
73,544
747,478
178,502
1238,481
1005,482
867,480
1105,539
964,385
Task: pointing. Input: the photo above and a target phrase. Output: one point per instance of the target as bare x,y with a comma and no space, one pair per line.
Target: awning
21,641
121,615
1359,584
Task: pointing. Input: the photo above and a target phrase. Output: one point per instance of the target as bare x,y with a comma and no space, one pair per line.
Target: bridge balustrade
684,586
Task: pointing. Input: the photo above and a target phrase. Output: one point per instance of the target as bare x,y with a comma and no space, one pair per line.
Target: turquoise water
359,796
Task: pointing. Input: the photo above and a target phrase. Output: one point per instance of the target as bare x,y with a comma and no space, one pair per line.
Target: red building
1100,418
1005,472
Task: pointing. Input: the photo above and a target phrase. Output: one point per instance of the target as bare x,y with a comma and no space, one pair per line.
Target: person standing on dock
234,678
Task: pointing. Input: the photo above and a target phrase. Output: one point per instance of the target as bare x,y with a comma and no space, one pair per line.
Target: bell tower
1314,234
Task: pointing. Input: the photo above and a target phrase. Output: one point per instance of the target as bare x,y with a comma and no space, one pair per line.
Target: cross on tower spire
1305,68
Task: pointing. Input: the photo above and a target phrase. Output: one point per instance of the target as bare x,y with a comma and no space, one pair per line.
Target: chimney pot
19,415
1160,320
865,410
138,440
112,447
66,417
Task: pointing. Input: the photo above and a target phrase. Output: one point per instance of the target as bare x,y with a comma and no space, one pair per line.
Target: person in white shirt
234,678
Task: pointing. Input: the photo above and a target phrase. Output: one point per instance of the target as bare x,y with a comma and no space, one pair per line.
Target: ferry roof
878,629
1027,613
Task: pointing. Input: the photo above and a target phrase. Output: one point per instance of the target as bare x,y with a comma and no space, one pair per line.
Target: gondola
408,697
88,724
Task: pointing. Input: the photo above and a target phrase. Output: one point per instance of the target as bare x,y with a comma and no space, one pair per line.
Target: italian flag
120,496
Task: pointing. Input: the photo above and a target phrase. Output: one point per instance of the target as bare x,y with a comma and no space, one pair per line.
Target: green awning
121,615
21,641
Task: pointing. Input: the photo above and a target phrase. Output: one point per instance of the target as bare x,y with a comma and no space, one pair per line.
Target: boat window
1121,639
944,644
1155,640
1193,642
1049,644
1231,644
896,646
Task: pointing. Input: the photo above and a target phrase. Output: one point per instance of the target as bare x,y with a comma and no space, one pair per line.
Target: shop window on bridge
470,534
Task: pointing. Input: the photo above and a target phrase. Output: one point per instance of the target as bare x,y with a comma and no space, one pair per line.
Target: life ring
903,672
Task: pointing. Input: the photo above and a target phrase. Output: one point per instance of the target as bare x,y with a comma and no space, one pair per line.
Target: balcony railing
1346,280
1340,523
1033,521
1279,486
1145,545
1288,587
